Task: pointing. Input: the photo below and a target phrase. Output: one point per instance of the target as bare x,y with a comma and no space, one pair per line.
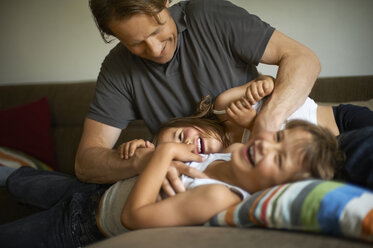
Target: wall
57,41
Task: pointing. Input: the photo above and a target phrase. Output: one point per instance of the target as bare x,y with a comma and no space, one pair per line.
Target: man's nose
154,46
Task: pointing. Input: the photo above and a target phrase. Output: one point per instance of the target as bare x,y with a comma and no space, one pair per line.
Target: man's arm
97,162
298,69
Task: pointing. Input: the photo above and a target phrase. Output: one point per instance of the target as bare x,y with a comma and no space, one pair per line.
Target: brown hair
322,155
104,11
209,128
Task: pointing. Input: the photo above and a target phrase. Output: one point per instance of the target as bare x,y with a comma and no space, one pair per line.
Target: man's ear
167,3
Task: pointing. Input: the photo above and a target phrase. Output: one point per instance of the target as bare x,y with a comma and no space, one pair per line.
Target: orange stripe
265,204
252,209
229,216
9,157
367,224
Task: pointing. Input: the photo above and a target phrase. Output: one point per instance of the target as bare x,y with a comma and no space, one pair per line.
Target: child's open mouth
200,146
251,153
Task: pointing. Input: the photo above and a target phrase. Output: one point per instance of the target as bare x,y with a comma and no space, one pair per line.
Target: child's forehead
297,133
297,142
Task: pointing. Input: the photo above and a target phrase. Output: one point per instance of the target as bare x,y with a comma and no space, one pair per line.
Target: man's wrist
268,122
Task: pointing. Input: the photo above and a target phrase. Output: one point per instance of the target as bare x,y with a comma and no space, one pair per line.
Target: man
169,58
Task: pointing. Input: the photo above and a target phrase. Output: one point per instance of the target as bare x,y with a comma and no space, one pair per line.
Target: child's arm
254,91
188,208
237,101
127,149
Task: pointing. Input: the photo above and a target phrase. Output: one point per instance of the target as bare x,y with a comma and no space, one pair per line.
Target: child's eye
278,138
181,137
279,160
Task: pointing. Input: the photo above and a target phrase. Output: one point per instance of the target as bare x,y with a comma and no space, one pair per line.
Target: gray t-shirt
218,47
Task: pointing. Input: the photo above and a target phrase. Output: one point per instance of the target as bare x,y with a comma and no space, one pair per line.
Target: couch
68,104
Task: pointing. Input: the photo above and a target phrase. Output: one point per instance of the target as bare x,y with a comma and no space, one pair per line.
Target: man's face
147,38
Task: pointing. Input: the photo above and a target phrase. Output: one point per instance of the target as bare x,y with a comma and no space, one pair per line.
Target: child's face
191,135
272,158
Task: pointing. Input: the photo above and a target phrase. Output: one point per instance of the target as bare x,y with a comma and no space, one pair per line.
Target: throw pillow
27,128
313,205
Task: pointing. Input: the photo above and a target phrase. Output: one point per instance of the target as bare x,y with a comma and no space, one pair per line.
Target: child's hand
179,151
127,150
241,113
259,88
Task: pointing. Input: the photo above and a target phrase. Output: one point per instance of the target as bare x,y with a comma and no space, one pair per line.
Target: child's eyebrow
175,135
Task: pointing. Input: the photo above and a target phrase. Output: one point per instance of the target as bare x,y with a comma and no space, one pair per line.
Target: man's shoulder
212,11
118,53
119,61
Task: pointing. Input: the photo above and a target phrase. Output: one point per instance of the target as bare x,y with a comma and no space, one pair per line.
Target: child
78,213
237,107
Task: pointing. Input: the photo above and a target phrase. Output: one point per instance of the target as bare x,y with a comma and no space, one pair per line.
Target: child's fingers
167,188
149,144
249,95
260,89
267,88
173,177
126,150
120,150
246,103
192,172
191,154
132,148
235,107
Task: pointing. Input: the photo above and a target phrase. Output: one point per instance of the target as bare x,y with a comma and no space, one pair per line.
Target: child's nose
188,141
266,146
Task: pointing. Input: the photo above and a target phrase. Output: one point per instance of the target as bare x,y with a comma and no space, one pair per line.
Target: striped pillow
329,207
15,159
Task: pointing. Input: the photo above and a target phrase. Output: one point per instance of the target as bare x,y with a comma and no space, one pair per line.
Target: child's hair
322,155
208,128
204,108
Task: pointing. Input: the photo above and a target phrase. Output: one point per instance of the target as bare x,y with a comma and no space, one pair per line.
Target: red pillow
28,128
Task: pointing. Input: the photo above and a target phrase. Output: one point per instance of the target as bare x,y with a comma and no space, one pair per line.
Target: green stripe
312,203
273,217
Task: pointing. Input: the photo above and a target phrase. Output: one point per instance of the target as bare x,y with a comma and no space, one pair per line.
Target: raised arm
298,69
237,103
97,162
188,208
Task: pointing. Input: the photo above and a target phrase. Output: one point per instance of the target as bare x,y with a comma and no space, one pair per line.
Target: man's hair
322,156
104,11
208,128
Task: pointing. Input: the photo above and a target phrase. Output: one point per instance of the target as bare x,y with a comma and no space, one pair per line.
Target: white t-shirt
114,198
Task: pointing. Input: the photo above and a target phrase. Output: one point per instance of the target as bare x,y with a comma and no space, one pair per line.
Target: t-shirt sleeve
112,103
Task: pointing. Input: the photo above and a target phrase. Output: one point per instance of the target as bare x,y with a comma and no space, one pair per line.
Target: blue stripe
332,206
